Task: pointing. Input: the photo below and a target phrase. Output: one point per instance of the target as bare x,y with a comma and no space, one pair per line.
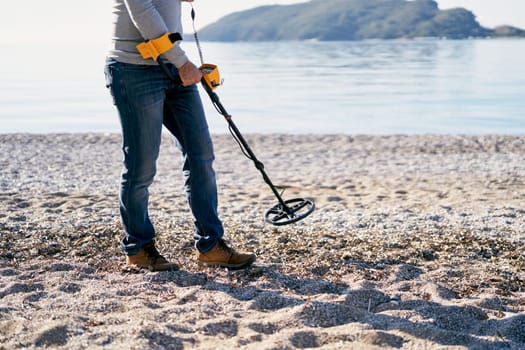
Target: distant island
330,20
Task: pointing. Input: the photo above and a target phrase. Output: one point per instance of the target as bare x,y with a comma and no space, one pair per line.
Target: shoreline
418,241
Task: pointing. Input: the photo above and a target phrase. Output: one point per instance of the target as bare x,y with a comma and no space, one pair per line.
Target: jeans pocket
108,73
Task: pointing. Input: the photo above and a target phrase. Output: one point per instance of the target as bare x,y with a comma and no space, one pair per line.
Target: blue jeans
146,99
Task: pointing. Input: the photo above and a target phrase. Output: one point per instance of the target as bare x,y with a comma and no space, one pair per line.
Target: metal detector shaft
286,211
258,164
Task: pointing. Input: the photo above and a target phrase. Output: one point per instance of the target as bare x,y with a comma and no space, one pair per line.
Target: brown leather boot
150,258
222,255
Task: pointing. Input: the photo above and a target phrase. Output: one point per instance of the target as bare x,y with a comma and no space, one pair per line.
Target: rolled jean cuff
134,248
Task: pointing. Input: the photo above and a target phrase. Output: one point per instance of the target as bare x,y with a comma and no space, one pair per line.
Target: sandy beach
417,242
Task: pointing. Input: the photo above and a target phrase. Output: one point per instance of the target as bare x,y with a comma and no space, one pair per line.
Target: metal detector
285,211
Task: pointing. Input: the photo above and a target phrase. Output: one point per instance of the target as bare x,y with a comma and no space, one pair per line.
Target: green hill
346,20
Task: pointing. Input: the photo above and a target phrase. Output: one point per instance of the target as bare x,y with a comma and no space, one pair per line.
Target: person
146,98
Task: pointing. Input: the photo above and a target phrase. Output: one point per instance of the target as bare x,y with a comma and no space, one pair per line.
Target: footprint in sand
272,301
70,288
18,288
321,314
22,204
33,298
228,327
305,339
264,328
56,336
382,339
52,205
61,267
8,272
334,199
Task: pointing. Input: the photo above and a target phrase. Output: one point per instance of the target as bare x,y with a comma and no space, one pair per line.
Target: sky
77,22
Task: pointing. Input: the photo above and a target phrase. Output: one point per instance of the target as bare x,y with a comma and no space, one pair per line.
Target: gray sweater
139,20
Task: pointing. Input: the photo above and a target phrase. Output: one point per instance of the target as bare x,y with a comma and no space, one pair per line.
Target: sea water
364,87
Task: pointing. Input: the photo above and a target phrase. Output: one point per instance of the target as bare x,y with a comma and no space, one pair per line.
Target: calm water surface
372,87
